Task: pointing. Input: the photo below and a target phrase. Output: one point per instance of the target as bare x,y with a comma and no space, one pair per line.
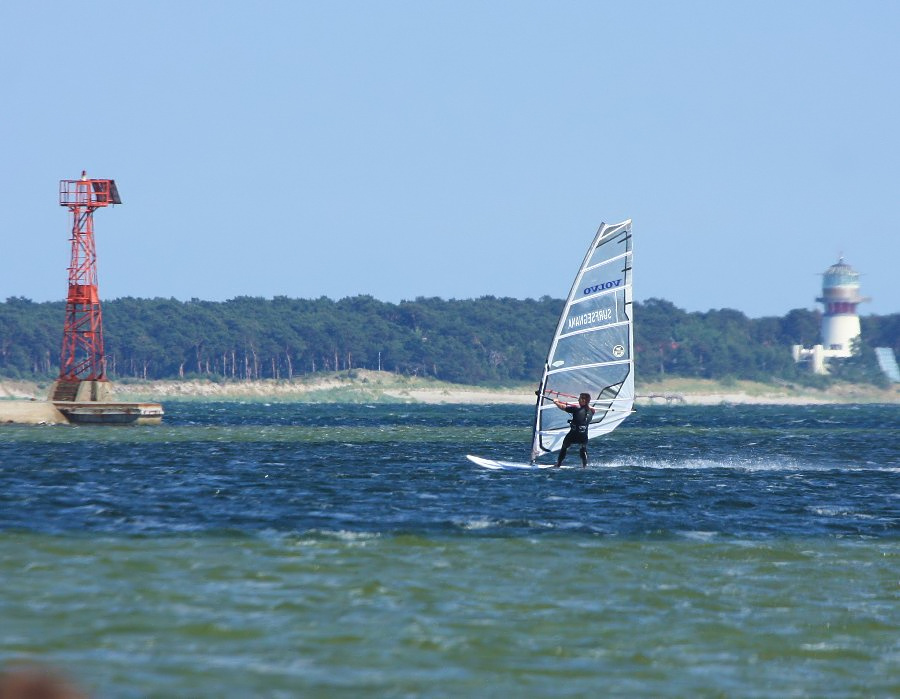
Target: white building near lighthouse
840,321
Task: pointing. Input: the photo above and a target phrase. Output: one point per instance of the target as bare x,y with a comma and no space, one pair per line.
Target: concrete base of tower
816,355
82,391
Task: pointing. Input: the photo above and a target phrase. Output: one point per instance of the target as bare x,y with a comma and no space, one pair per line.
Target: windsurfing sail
593,347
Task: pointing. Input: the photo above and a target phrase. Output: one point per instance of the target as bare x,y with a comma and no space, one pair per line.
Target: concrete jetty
30,412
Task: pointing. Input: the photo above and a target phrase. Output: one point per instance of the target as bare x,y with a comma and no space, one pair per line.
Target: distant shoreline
365,386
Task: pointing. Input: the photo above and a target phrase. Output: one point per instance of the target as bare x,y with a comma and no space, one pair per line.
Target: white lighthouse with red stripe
840,322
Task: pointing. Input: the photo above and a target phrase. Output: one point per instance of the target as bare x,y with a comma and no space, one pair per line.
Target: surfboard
495,465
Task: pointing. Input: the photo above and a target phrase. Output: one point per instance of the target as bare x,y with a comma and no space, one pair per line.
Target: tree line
487,340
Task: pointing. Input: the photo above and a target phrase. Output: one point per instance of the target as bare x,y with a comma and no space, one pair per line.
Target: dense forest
477,341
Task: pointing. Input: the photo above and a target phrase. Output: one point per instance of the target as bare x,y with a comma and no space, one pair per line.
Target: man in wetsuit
582,414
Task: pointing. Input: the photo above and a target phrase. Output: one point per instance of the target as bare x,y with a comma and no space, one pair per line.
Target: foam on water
743,464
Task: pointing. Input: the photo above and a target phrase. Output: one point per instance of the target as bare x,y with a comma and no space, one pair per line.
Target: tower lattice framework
82,357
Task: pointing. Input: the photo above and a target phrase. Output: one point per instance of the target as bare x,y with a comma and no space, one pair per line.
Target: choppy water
288,550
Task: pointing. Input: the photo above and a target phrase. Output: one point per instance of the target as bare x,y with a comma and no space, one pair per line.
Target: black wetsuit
578,432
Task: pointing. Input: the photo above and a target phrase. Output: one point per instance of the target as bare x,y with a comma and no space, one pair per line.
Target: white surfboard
495,465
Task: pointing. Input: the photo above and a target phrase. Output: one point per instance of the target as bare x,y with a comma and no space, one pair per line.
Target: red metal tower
82,357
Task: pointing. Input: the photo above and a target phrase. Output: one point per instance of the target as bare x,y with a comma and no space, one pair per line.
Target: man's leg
567,440
583,454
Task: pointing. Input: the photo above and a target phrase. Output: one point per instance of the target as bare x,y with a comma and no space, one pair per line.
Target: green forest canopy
487,340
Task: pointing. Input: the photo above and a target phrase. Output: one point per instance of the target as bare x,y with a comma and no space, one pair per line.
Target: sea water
282,550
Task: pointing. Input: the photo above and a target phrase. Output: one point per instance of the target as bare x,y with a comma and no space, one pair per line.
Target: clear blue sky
455,149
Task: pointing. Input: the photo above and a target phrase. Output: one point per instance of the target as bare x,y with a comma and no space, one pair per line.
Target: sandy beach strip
364,386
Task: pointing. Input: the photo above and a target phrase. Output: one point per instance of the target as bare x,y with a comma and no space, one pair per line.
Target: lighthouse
840,321
840,295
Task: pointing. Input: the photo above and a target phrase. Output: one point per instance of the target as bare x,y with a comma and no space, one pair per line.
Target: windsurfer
582,414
